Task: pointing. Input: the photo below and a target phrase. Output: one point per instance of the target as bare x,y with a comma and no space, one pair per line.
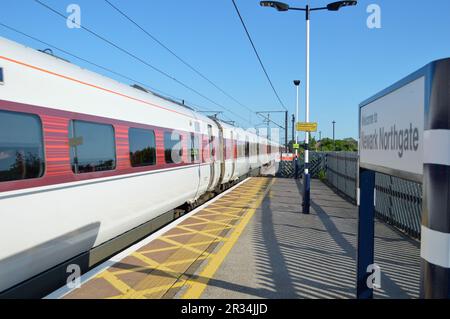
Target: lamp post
297,84
293,128
334,6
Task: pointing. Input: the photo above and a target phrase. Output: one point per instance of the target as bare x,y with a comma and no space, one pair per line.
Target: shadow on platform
286,254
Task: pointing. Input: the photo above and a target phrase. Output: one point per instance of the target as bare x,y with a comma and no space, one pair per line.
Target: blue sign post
405,132
366,232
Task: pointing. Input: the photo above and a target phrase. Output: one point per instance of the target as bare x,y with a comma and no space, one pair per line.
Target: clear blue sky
349,62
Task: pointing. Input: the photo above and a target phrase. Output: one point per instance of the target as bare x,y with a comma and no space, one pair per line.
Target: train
86,161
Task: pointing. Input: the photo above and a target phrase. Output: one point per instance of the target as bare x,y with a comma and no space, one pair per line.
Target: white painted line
374,197
64,290
435,247
357,196
435,147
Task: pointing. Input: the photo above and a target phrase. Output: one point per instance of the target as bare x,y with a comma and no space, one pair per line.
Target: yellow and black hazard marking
186,256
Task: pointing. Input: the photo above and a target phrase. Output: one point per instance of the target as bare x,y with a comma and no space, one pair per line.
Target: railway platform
253,242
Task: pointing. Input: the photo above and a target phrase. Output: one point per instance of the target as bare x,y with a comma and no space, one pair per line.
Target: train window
21,146
194,148
257,149
173,150
92,147
142,147
1,76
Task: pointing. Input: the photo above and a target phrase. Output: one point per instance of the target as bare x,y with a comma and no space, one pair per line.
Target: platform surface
285,254
253,242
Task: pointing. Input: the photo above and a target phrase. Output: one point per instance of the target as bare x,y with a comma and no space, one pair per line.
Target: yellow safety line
166,264
156,250
161,288
198,243
198,224
217,229
244,198
197,284
115,282
180,245
234,216
184,261
153,263
218,222
201,233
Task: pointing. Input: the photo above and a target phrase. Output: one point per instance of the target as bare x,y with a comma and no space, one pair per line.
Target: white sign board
391,131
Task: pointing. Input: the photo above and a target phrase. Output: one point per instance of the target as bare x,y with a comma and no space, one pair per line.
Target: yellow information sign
296,146
307,127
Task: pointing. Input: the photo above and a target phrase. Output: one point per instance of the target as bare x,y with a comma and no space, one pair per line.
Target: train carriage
85,159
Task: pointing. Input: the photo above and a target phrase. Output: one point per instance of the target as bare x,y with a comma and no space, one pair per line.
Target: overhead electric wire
141,60
146,86
154,38
89,62
257,54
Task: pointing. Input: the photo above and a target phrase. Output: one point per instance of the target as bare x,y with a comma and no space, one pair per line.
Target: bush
322,175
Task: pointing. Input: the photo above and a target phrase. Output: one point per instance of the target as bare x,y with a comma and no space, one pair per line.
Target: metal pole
334,141
293,127
296,168
296,116
365,248
286,129
307,181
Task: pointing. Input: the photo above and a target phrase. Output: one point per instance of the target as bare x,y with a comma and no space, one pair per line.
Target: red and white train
85,159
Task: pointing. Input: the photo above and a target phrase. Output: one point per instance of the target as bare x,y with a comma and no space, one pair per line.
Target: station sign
306,127
405,131
391,127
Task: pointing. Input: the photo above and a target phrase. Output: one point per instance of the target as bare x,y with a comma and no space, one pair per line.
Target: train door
194,156
233,151
212,161
222,148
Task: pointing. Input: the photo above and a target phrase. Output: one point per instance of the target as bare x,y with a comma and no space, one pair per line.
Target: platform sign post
306,127
404,131
366,232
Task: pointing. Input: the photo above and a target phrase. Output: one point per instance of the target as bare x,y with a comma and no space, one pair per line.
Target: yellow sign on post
307,127
296,146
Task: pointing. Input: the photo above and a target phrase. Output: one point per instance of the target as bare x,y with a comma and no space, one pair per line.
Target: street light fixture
334,6
280,6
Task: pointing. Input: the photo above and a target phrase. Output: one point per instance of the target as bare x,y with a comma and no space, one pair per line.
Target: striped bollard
435,241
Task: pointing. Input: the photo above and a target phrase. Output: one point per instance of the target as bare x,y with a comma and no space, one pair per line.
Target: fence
398,201
317,164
